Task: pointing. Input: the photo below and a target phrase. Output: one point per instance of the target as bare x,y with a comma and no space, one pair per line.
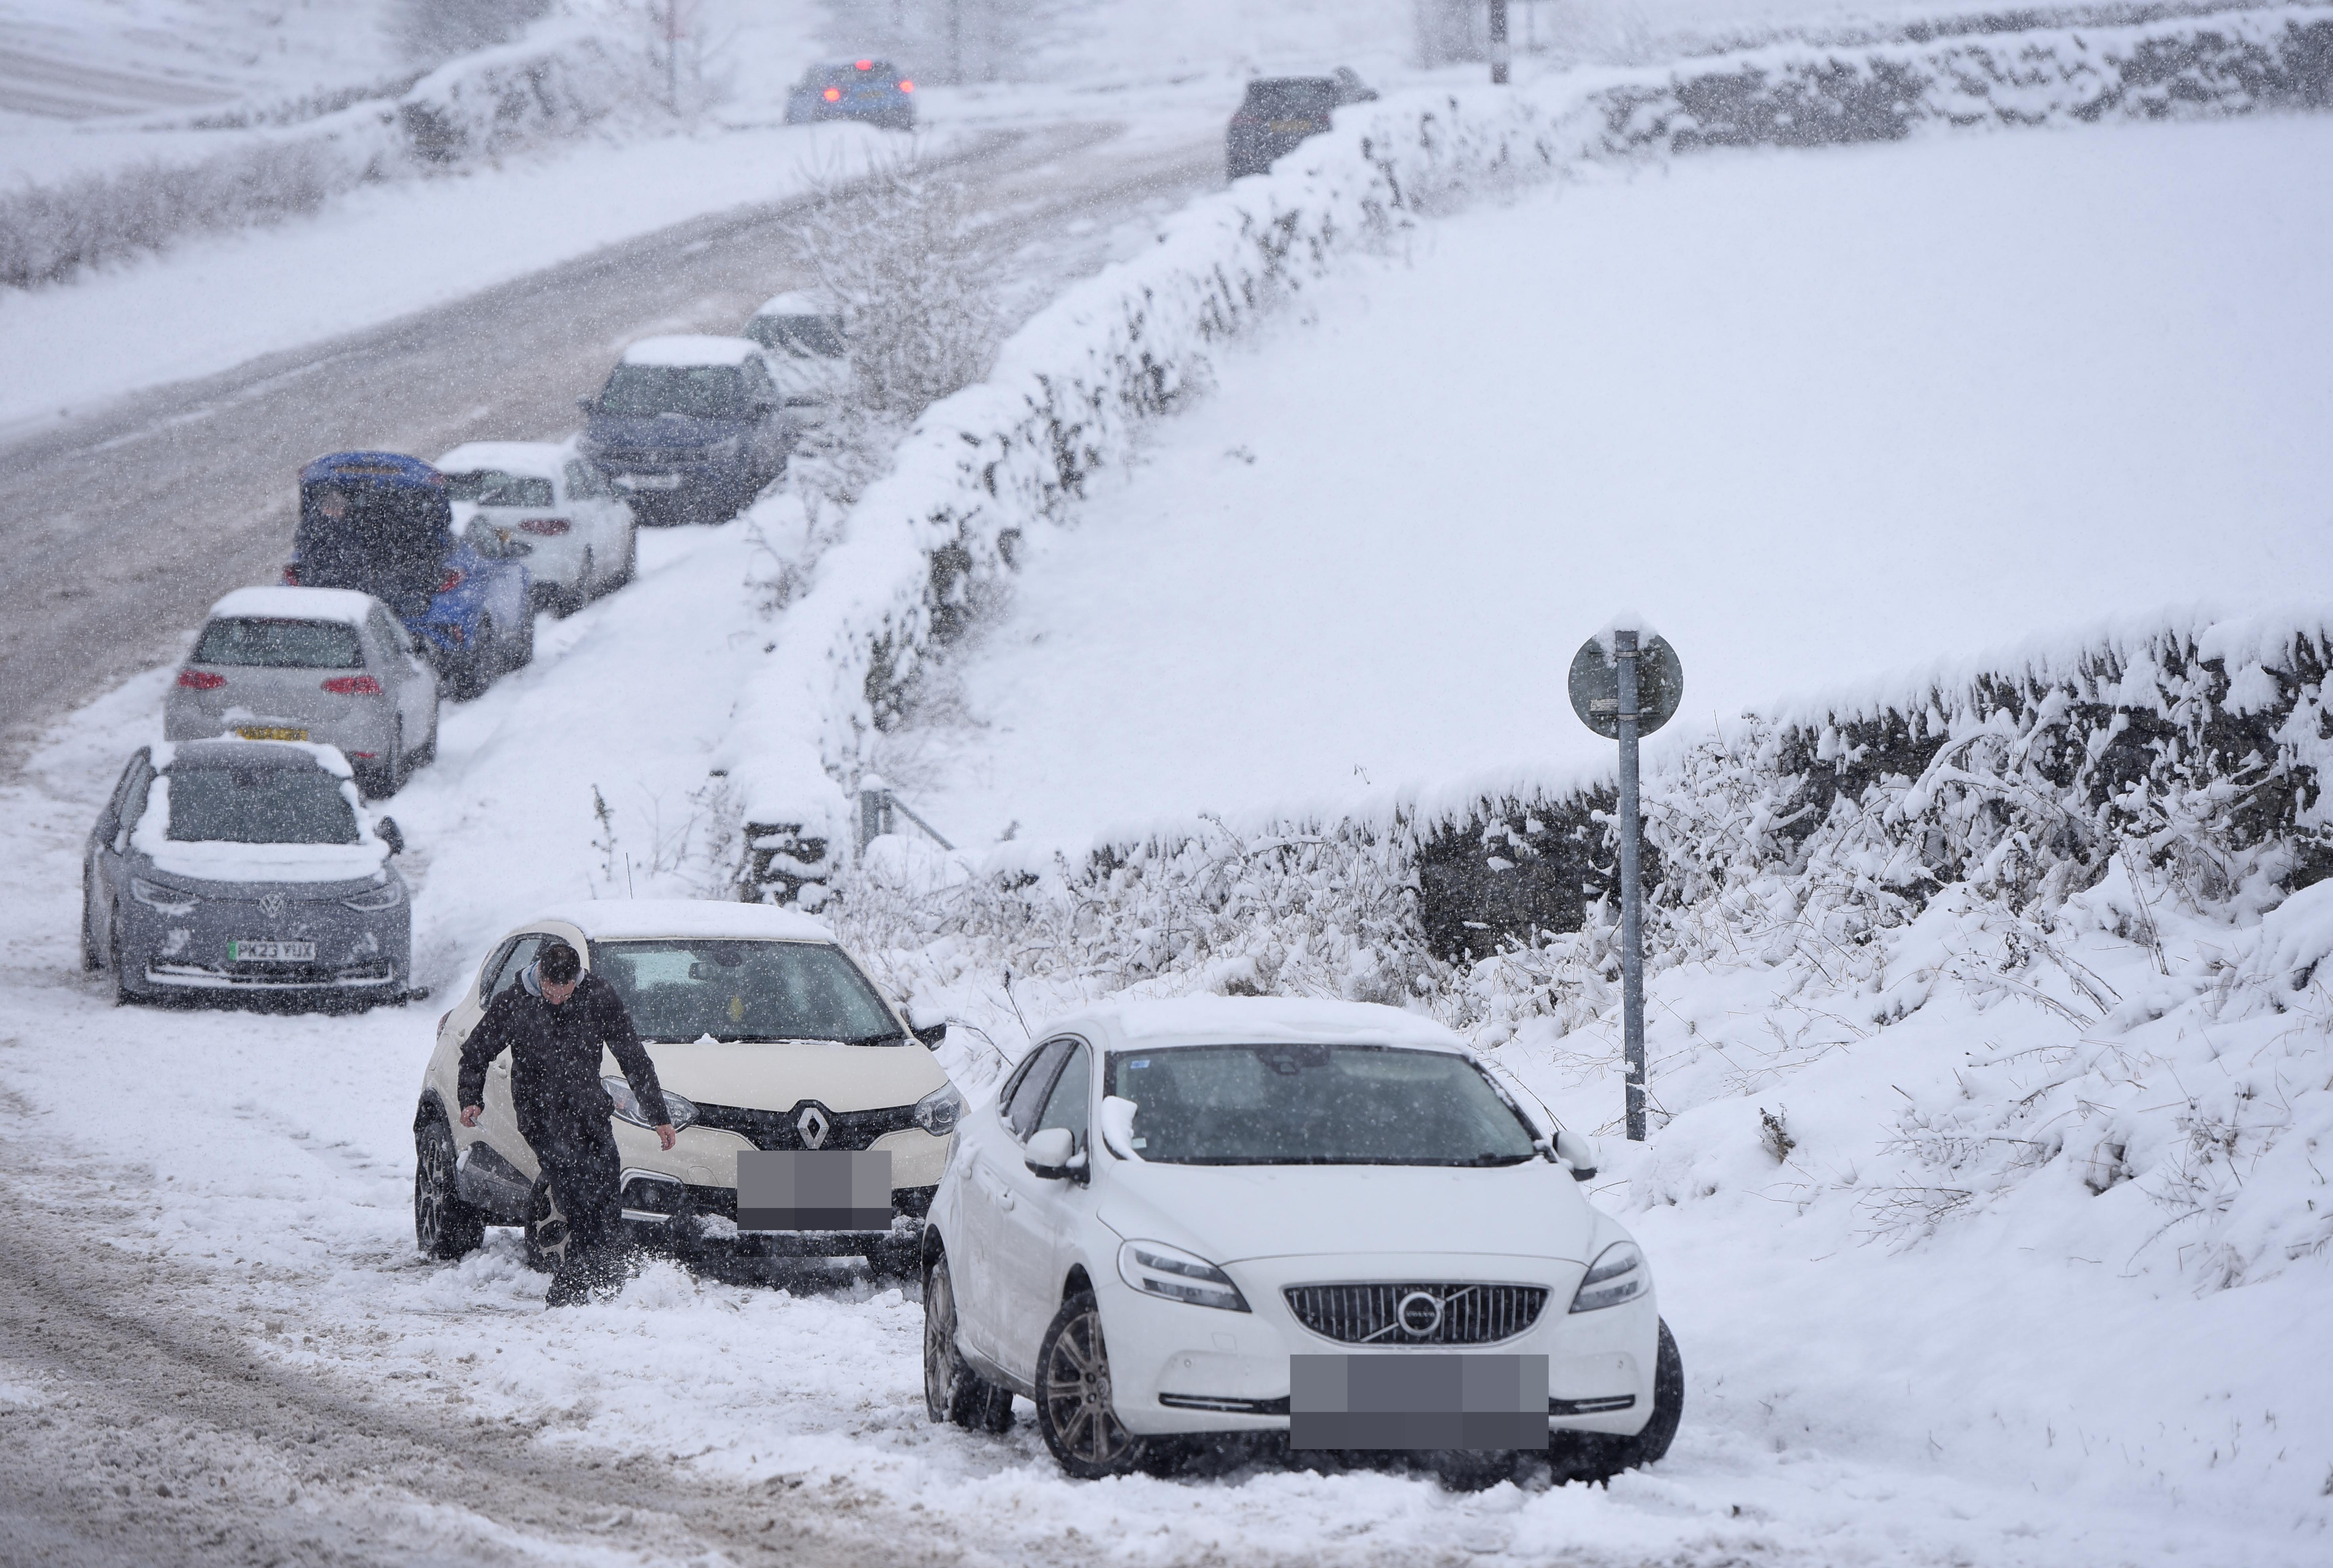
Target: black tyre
547,1235
1074,1411
953,1391
444,1226
522,644
91,960
116,954
630,568
577,597
1595,1458
474,671
380,780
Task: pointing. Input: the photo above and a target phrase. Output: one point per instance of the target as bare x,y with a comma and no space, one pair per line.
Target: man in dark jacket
554,1024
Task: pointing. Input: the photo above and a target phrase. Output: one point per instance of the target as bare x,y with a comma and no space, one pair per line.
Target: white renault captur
765,1036
1181,1217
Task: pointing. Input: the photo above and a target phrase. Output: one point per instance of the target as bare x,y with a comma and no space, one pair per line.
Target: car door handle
1003,1198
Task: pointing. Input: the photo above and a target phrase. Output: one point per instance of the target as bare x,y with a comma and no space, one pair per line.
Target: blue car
380,523
872,91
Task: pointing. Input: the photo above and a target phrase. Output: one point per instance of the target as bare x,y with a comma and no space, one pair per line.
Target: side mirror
386,830
1578,1152
587,403
1050,1152
928,1024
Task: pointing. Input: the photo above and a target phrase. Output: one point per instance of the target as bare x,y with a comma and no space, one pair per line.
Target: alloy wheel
1073,1388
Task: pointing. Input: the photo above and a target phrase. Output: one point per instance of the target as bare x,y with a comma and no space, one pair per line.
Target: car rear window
492,487
259,805
1292,97
704,391
807,337
280,644
751,992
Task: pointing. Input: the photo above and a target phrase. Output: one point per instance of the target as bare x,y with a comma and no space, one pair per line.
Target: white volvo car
1220,1215
770,1045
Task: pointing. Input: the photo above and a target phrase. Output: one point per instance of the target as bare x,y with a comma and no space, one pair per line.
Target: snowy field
1820,416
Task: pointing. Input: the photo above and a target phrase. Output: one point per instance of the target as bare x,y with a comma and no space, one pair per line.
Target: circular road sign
1595,687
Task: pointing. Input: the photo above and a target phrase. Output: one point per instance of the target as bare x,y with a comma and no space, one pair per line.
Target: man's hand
470,1118
664,1132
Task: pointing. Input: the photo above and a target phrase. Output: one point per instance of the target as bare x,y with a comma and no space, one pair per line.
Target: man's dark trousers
581,1164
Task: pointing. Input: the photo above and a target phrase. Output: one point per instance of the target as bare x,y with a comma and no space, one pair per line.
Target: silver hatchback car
327,664
225,867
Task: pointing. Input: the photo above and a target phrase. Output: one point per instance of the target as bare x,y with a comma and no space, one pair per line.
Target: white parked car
581,534
1220,1214
808,353
767,1040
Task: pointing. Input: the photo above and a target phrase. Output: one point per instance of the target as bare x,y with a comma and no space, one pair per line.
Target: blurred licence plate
648,481
270,732
271,952
1291,127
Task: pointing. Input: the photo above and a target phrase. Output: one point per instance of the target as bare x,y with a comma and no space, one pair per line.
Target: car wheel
546,1234
91,961
522,649
1600,1458
1073,1396
953,1391
116,944
476,668
577,597
380,780
443,1225
631,565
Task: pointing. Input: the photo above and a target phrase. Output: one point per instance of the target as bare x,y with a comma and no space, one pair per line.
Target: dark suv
689,427
1282,110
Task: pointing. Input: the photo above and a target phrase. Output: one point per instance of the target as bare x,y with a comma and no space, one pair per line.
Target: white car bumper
1177,1368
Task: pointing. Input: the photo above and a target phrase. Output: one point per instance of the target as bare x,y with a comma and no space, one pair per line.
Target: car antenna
1026,1032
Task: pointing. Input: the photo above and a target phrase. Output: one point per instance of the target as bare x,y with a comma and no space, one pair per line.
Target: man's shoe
567,1290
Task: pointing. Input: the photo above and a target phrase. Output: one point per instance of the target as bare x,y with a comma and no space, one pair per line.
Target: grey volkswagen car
236,867
320,664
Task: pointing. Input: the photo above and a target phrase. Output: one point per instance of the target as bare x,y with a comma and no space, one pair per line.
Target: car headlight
722,451
1617,1274
938,1111
156,896
1157,1269
628,1104
388,896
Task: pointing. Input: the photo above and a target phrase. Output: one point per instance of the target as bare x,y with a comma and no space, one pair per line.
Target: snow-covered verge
559,81
1072,388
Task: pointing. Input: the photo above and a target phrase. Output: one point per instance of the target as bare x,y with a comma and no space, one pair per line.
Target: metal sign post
1626,691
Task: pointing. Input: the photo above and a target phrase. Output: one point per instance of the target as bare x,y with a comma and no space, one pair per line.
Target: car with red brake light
324,665
874,91
580,533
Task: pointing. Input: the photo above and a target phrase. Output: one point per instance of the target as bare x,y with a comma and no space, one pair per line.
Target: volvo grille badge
1419,1314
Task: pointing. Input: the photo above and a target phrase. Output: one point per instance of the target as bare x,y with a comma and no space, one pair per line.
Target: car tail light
553,526
906,87
200,680
866,65
292,575
453,580
353,685
833,95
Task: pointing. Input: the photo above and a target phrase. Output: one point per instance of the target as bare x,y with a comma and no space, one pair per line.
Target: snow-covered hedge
1070,391
558,83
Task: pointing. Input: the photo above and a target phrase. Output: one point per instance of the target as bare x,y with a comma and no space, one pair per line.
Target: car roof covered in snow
1256,1021
797,303
341,604
237,753
691,349
541,459
634,920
